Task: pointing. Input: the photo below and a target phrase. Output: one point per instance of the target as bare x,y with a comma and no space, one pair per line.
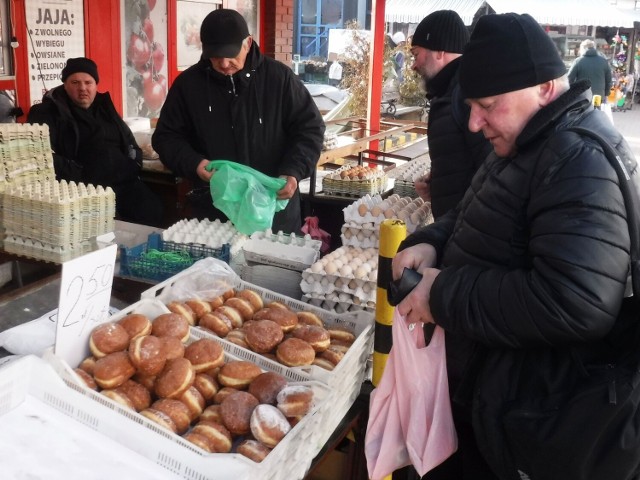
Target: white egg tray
337,306
322,284
291,458
280,254
412,170
354,213
356,235
212,234
287,239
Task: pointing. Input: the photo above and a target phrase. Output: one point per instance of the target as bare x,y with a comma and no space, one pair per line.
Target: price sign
85,293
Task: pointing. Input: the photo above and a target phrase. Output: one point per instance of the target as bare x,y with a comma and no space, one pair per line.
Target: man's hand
418,258
289,188
204,175
423,187
415,306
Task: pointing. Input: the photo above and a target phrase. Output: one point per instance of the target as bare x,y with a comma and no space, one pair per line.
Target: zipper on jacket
233,85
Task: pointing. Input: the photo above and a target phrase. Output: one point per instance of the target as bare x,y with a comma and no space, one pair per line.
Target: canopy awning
552,12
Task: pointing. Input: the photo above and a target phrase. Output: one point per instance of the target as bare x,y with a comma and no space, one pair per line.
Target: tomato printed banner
56,33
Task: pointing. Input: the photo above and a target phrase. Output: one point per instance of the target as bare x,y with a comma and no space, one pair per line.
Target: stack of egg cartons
55,221
406,175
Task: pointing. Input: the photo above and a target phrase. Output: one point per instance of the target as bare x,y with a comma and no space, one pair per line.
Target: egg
361,272
338,262
346,271
317,267
377,211
331,268
389,213
363,209
353,284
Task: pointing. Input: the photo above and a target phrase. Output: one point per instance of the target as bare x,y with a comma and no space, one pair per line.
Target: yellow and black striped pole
392,233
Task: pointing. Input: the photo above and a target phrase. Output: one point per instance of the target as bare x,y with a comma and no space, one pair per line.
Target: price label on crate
85,293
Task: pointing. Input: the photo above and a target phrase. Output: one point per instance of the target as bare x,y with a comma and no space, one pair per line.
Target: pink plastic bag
312,227
410,418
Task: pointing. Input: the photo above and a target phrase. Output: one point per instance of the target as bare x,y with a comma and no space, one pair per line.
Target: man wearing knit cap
92,144
455,152
593,67
530,271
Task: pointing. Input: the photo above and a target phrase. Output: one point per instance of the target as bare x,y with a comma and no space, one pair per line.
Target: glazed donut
199,441
216,433
159,418
194,401
238,337
242,306
238,374
315,336
206,385
86,379
204,354
120,398
295,400
113,370
263,336
211,414
252,297
286,318
218,324
177,411
309,318
173,347
178,375
294,352
223,393
236,412
216,302
183,309
171,325
88,364
147,354
231,314
269,425
253,450
199,307
136,325
138,394
343,334
266,386
107,338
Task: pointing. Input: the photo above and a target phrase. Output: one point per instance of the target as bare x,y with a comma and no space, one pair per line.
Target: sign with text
85,293
55,30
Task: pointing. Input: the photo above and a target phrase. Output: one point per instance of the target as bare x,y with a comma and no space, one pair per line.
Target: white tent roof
412,11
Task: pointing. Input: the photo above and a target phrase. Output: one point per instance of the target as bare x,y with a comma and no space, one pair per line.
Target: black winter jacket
107,170
262,116
455,152
535,261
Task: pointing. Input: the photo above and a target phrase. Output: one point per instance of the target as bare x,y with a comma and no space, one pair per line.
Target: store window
315,19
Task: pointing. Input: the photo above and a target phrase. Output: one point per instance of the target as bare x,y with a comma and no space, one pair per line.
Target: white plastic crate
289,460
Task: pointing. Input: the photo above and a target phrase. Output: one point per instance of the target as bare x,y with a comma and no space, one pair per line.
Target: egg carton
211,234
287,239
364,236
337,306
285,251
327,284
374,210
335,184
411,171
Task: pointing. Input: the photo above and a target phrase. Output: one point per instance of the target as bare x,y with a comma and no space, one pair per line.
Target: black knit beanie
508,52
442,30
80,64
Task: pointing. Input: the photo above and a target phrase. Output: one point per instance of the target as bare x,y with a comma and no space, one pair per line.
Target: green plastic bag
246,196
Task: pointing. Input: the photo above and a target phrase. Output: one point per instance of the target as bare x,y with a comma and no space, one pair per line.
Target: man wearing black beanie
92,144
528,276
454,151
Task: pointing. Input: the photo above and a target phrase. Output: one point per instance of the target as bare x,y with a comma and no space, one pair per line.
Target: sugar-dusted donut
199,441
119,397
107,338
295,400
242,306
343,334
178,375
294,352
323,363
236,412
211,414
253,297
171,325
199,307
253,450
147,381
269,425
229,293
194,400
218,435
287,319
136,325
86,379
183,309
160,418
266,386
206,385
238,374
177,411
231,314
138,394
223,393
147,354
218,324
332,354
173,347
113,370
204,354
238,337
263,336
315,336
216,302
88,364
310,318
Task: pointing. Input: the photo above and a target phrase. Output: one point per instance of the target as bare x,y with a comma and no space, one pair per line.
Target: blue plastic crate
136,262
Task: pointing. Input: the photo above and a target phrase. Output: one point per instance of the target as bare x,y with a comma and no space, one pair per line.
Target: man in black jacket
236,104
532,265
593,67
92,144
455,152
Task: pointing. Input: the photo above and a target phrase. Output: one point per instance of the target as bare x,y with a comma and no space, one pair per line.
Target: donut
263,336
211,414
276,304
173,347
295,400
86,379
177,411
88,364
217,434
136,325
218,324
294,352
147,381
199,441
120,398
159,418
216,302
178,375
343,334
315,336
113,370
171,325
147,354
238,374
323,363
138,394
238,337
223,393
333,355
242,306
206,385
269,425
309,318
194,401
265,387
199,307
183,309
204,354
107,338
253,450
236,412
252,297
286,318
228,294
231,314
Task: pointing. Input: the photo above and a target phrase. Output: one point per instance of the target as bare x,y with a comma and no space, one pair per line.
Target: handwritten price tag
85,293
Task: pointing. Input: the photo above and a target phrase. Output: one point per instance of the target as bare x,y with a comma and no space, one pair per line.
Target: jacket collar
243,77
439,84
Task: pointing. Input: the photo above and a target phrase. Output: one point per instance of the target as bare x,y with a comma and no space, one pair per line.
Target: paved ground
628,123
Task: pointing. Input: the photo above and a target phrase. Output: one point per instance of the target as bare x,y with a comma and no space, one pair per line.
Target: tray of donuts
211,415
